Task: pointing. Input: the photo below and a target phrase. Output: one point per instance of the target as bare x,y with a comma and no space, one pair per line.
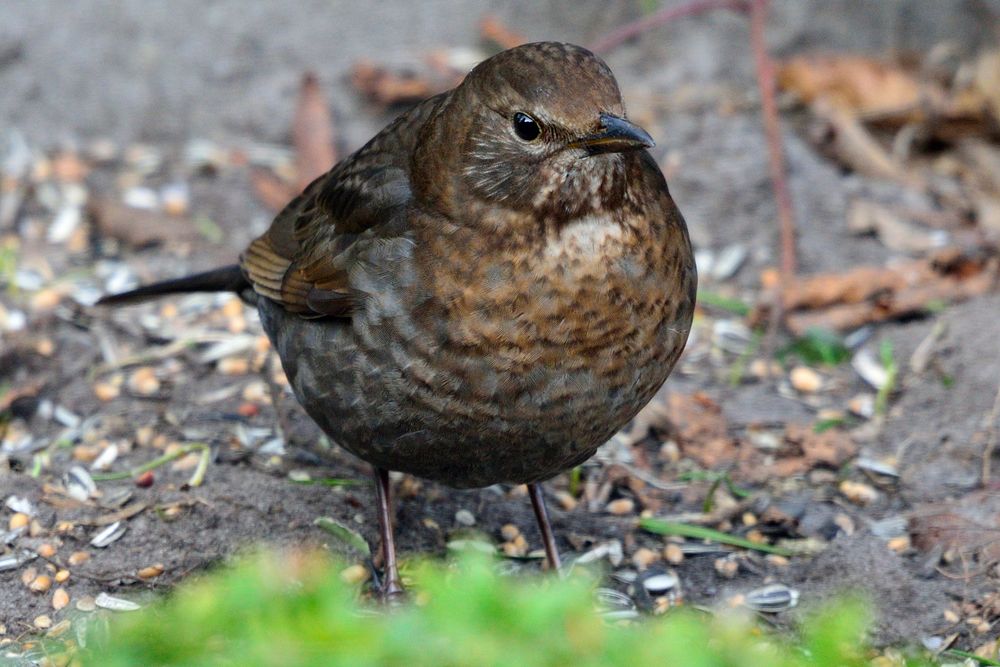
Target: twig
769,108
992,435
624,33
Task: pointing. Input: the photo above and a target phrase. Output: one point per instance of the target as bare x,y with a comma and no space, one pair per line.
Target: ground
899,506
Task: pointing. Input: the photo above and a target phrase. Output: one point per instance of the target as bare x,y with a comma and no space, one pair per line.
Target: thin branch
772,128
624,33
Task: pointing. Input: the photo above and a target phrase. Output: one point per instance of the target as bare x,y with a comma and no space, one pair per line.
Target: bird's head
540,128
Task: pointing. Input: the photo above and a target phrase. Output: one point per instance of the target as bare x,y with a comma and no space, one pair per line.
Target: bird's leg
542,515
392,585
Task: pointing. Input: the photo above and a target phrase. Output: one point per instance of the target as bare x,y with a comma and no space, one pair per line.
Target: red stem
772,129
622,34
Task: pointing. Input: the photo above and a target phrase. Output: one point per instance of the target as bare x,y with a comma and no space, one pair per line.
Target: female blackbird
487,290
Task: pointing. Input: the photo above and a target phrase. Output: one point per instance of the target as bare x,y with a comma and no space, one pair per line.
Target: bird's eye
526,127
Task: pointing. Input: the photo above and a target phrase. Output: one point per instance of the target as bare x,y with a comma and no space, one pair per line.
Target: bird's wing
303,260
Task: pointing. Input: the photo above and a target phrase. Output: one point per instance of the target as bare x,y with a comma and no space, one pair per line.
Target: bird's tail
224,279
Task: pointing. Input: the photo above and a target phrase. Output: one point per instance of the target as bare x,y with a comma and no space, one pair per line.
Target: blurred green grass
293,609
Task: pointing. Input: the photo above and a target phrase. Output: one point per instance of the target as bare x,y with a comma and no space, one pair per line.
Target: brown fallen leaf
969,526
856,84
895,232
700,428
493,30
388,88
139,228
312,133
273,192
855,146
832,447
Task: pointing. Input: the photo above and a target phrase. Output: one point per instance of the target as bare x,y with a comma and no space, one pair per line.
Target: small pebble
60,599
465,518
621,506
145,480
805,380
354,574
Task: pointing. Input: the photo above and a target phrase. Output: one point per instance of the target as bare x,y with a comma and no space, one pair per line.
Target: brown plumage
488,289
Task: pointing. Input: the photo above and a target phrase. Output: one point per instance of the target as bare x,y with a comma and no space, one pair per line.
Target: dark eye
526,127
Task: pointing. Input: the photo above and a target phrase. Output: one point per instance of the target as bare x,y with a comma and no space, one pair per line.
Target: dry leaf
312,133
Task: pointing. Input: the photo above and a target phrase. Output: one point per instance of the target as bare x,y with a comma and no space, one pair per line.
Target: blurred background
142,140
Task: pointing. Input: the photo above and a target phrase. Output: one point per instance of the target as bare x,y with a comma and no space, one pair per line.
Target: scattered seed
79,484
19,505
86,603
59,629
950,616
566,500
899,544
233,366
41,584
771,598
12,561
354,574
621,506
805,380
509,531
108,535
858,492
727,567
145,480
673,553
29,575
78,558
862,405
151,571
643,558
62,576
42,622
660,584
143,381
60,599
105,391
105,601
105,458
776,560
18,520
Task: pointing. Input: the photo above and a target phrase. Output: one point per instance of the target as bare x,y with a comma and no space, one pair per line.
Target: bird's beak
617,135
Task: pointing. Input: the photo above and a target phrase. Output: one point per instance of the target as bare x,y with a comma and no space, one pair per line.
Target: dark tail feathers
224,279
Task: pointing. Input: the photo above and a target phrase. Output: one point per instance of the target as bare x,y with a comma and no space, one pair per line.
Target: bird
486,291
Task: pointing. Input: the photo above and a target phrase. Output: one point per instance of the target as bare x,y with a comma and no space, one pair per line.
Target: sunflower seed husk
610,600
79,484
870,370
19,504
105,601
772,598
12,561
660,584
109,534
728,261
